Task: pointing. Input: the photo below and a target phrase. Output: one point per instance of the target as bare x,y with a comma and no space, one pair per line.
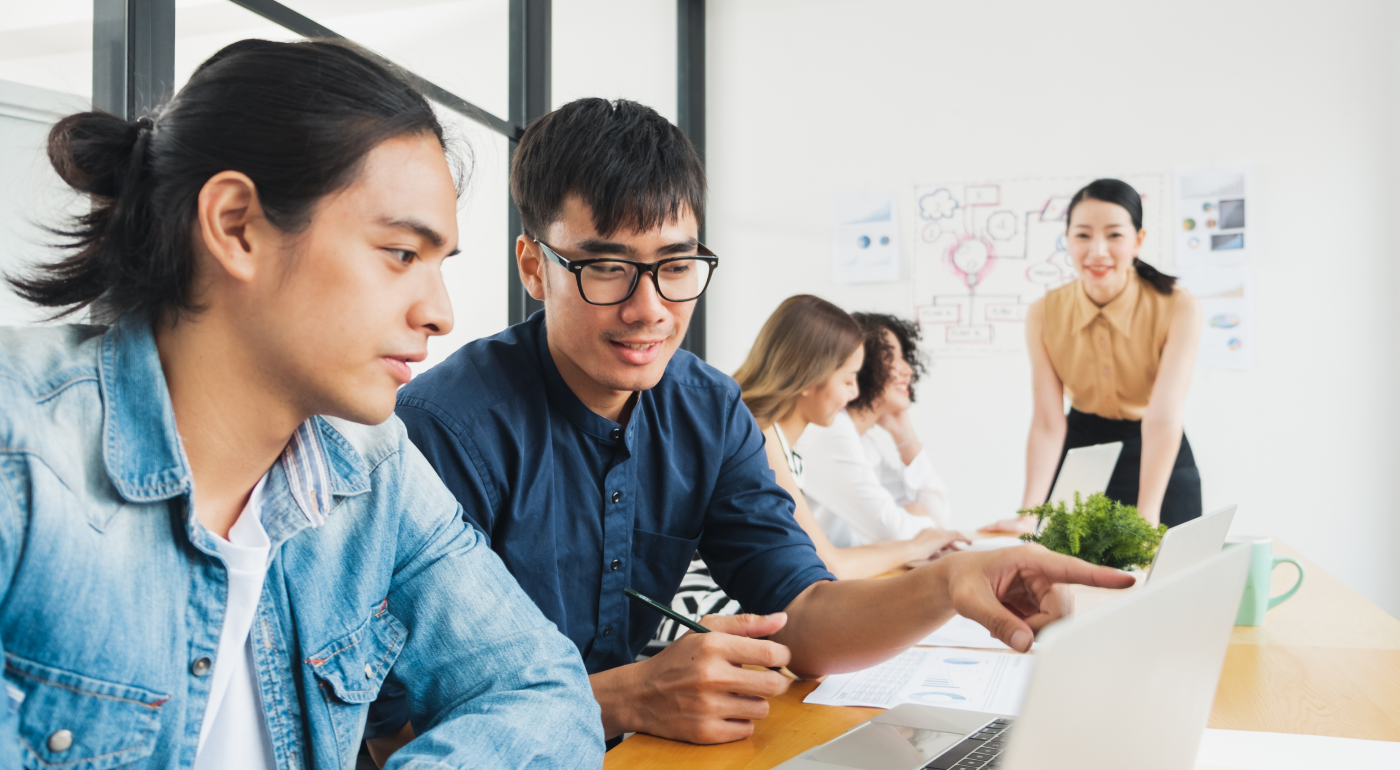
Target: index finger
1058,568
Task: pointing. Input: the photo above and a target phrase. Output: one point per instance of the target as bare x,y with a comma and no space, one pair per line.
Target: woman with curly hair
858,495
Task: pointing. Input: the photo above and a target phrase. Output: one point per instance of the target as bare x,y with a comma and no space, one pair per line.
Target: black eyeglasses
610,281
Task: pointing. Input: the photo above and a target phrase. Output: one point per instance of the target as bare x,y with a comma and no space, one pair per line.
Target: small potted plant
1097,530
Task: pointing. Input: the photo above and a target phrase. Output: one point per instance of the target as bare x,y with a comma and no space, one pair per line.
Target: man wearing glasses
596,456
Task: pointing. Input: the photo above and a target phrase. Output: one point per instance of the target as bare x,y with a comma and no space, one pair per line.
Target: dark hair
297,118
1122,194
874,374
630,165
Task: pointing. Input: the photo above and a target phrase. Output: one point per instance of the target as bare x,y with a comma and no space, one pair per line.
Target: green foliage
1098,530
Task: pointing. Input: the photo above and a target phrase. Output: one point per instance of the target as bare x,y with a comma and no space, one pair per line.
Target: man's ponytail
104,157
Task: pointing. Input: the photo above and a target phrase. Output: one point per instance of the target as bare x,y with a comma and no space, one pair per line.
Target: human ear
1142,236
529,260
231,223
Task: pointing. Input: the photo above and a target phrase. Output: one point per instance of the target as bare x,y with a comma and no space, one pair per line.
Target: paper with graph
975,680
1227,329
984,251
1215,243
865,237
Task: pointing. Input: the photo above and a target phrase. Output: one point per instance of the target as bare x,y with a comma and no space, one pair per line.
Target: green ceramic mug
1262,561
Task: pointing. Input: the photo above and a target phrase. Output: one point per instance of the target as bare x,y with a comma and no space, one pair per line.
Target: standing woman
1121,342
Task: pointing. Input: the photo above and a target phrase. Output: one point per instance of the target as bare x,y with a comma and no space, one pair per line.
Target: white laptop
1129,684
1086,470
1191,543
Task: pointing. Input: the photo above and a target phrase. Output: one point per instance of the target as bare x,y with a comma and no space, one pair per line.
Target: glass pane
48,44
202,27
589,59
476,278
461,45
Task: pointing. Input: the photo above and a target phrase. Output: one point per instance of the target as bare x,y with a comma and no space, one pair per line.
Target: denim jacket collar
146,462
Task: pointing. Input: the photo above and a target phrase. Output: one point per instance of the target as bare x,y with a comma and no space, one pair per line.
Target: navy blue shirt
579,507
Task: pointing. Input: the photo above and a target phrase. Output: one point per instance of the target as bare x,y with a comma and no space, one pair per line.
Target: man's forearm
848,625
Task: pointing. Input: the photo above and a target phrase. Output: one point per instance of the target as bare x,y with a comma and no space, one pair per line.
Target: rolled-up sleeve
491,682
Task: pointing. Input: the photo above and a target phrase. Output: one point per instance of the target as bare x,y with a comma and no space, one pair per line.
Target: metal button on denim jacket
112,594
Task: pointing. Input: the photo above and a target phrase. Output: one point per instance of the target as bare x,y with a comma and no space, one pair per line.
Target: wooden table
1325,662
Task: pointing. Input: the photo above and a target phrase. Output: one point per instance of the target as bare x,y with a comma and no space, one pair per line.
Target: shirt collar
141,446
1118,312
563,397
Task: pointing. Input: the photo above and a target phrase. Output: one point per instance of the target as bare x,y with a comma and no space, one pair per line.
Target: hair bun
91,151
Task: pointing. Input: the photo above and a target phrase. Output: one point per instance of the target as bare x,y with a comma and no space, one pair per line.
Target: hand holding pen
697,689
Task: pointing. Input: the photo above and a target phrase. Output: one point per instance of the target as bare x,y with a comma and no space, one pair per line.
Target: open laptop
1086,470
1129,684
1191,543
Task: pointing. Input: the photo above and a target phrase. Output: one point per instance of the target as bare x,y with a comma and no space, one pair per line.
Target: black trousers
1182,501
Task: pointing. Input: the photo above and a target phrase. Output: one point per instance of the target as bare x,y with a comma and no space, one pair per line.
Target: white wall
807,99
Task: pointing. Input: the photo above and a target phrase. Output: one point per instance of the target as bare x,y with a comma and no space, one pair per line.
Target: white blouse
858,496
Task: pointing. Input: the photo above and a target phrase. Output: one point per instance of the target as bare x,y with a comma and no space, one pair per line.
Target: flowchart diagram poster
984,251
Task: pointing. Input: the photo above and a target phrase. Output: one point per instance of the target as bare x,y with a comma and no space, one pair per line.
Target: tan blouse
1107,357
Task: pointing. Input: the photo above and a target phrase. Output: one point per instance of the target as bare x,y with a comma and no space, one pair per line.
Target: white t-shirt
234,733
857,495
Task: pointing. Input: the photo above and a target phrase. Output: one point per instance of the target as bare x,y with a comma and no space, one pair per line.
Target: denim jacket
112,593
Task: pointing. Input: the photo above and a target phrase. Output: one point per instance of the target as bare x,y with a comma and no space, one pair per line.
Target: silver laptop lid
1130,684
1191,543
1086,470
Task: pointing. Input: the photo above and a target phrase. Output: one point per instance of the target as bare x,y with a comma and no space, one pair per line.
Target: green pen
690,624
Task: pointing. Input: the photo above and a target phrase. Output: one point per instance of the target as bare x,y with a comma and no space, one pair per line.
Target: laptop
1129,684
1086,470
1191,543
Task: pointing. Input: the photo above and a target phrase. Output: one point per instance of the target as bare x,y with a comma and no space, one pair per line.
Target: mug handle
1277,600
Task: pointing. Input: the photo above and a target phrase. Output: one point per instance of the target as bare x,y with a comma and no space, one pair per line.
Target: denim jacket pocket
73,721
354,666
351,670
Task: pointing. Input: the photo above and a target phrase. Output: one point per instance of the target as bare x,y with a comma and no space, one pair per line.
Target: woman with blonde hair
801,371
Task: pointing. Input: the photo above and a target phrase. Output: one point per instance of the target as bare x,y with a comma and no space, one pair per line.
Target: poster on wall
1227,330
1215,243
865,237
1212,217
986,250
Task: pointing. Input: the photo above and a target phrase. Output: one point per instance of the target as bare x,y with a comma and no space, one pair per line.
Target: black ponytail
297,118
1122,194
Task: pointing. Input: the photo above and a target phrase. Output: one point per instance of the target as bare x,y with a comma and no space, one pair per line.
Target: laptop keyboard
979,751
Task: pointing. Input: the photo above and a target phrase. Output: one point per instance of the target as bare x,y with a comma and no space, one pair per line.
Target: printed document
975,680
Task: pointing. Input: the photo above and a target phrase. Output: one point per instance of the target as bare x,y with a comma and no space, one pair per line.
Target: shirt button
607,630
616,565
200,667
615,434
617,497
369,672
61,740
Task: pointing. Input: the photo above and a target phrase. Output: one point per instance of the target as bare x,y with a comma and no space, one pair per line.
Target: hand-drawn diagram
986,251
